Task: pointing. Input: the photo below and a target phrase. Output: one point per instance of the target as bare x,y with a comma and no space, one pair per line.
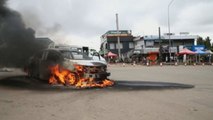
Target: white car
94,67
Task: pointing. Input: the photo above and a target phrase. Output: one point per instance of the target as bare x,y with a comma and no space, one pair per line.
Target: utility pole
169,31
159,35
118,37
160,46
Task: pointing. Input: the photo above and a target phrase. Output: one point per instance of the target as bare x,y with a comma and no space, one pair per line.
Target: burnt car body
39,64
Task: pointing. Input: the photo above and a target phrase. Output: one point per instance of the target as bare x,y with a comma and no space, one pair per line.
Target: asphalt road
23,99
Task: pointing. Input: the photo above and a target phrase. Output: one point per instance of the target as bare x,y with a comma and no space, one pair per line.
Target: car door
42,66
49,59
37,60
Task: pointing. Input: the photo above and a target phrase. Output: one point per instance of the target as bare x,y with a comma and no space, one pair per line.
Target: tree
208,43
200,41
211,47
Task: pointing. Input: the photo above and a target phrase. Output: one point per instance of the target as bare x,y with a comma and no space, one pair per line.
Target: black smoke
17,43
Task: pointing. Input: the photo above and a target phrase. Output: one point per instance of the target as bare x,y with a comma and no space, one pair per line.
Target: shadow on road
22,82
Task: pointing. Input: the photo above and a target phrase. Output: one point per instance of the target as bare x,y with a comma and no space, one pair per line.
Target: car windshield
75,55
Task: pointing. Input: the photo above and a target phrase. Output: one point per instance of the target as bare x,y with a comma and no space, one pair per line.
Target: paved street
23,103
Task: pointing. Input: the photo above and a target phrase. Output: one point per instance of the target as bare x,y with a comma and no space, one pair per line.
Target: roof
44,40
120,33
181,37
138,38
173,37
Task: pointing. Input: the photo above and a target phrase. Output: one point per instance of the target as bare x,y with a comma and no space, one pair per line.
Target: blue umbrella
200,52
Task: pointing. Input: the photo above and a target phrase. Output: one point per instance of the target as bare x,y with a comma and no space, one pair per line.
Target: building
159,46
109,41
45,42
148,46
152,43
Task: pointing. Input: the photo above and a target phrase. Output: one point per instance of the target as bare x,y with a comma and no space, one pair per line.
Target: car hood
89,62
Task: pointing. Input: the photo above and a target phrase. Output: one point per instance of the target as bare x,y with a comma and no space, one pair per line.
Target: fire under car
64,66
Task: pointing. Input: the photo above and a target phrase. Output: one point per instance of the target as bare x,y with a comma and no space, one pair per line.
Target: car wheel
68,83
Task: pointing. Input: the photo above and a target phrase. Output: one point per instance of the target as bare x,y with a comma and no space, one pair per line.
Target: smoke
33,19
17,43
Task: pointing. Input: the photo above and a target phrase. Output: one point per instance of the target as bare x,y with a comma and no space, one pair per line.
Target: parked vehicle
39,64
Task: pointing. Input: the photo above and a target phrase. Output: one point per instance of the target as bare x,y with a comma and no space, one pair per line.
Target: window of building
149,43
111,46
106,46
121,46
131,45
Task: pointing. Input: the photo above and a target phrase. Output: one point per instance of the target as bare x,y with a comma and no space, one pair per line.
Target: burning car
68,67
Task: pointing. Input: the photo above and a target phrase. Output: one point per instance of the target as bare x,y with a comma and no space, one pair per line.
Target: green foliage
200,41
206,42
211,47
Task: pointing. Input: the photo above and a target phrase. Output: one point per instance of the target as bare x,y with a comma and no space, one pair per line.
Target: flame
75,78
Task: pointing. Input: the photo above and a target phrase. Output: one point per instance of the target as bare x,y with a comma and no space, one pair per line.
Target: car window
80,56
53,56
75,55
66,54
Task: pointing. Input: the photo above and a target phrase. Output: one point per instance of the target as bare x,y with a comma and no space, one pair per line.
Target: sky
82,22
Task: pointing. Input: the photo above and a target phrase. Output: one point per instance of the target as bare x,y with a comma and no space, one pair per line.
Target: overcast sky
82,22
